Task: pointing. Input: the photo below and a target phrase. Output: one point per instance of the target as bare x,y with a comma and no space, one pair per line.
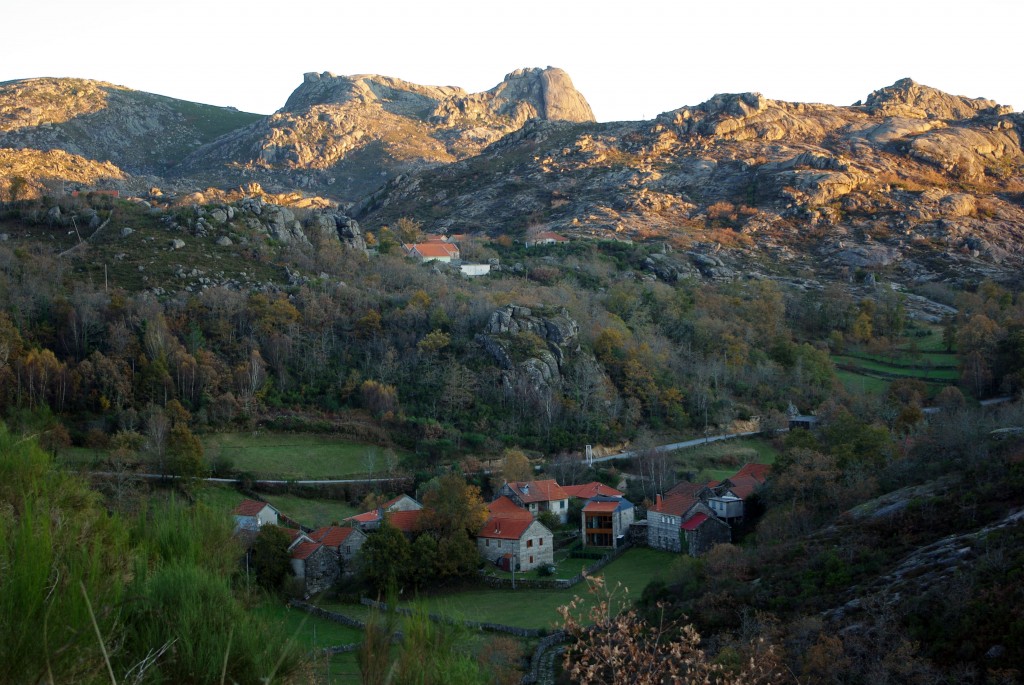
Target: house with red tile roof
251,515
432,251
537,496
591,489
370,520
406,521
666,517
701,532
506,508
315,564
605,521
344,541
728,499
545,238
522,543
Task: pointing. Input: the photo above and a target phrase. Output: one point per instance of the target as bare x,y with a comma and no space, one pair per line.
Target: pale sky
631,60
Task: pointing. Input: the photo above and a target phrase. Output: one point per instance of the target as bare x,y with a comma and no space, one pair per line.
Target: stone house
537,496
518,542
666,518
702,532
605,521
251,515
315,564
345,542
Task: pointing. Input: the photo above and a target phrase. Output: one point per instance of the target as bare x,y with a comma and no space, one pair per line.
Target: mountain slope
139,132
913,174
345,135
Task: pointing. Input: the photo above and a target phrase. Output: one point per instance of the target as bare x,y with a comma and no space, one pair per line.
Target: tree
17,188
515,466
270,557
451,505
386,557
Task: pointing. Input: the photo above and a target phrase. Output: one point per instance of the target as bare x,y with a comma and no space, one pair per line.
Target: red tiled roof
249,507
588,490
435,249
539,490
685,487
506,508
504,528
601,507
694,521
405,521
331,536
365,517
549,235
757,471
305,549
743,486
676,503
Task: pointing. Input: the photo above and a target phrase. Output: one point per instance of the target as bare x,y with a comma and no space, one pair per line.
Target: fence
476,625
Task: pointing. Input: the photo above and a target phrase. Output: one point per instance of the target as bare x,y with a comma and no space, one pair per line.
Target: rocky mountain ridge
913,183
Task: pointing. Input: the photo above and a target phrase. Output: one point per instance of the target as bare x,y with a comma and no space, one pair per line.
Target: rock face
530,345
916,182
334,127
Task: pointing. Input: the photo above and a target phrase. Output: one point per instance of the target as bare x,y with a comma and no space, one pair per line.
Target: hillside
344,135
142,133
915,184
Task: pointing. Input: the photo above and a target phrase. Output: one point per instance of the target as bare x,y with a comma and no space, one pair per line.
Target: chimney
657,501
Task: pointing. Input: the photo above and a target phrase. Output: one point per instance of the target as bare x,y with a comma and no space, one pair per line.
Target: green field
932,342
312,633
529,608
871,366
719,460
294,456
312,512
856,382
309,512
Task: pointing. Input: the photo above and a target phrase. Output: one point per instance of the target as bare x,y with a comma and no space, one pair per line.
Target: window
562,505
348,549
541,542
487,542
531,558
529,543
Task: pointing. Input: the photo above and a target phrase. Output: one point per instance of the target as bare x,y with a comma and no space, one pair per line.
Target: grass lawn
856,382
296,456
537,608
312,633
312,512
565,567
218,497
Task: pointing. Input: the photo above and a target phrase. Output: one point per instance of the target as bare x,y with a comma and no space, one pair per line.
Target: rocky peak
550,90
392,94
907,98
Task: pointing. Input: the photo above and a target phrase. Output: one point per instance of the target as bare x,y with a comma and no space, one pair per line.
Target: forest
387,351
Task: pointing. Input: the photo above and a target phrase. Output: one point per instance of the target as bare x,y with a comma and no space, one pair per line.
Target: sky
631,59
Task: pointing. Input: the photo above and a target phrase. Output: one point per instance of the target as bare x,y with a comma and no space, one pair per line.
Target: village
688,518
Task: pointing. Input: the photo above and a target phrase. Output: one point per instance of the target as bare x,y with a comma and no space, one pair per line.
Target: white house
253,515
